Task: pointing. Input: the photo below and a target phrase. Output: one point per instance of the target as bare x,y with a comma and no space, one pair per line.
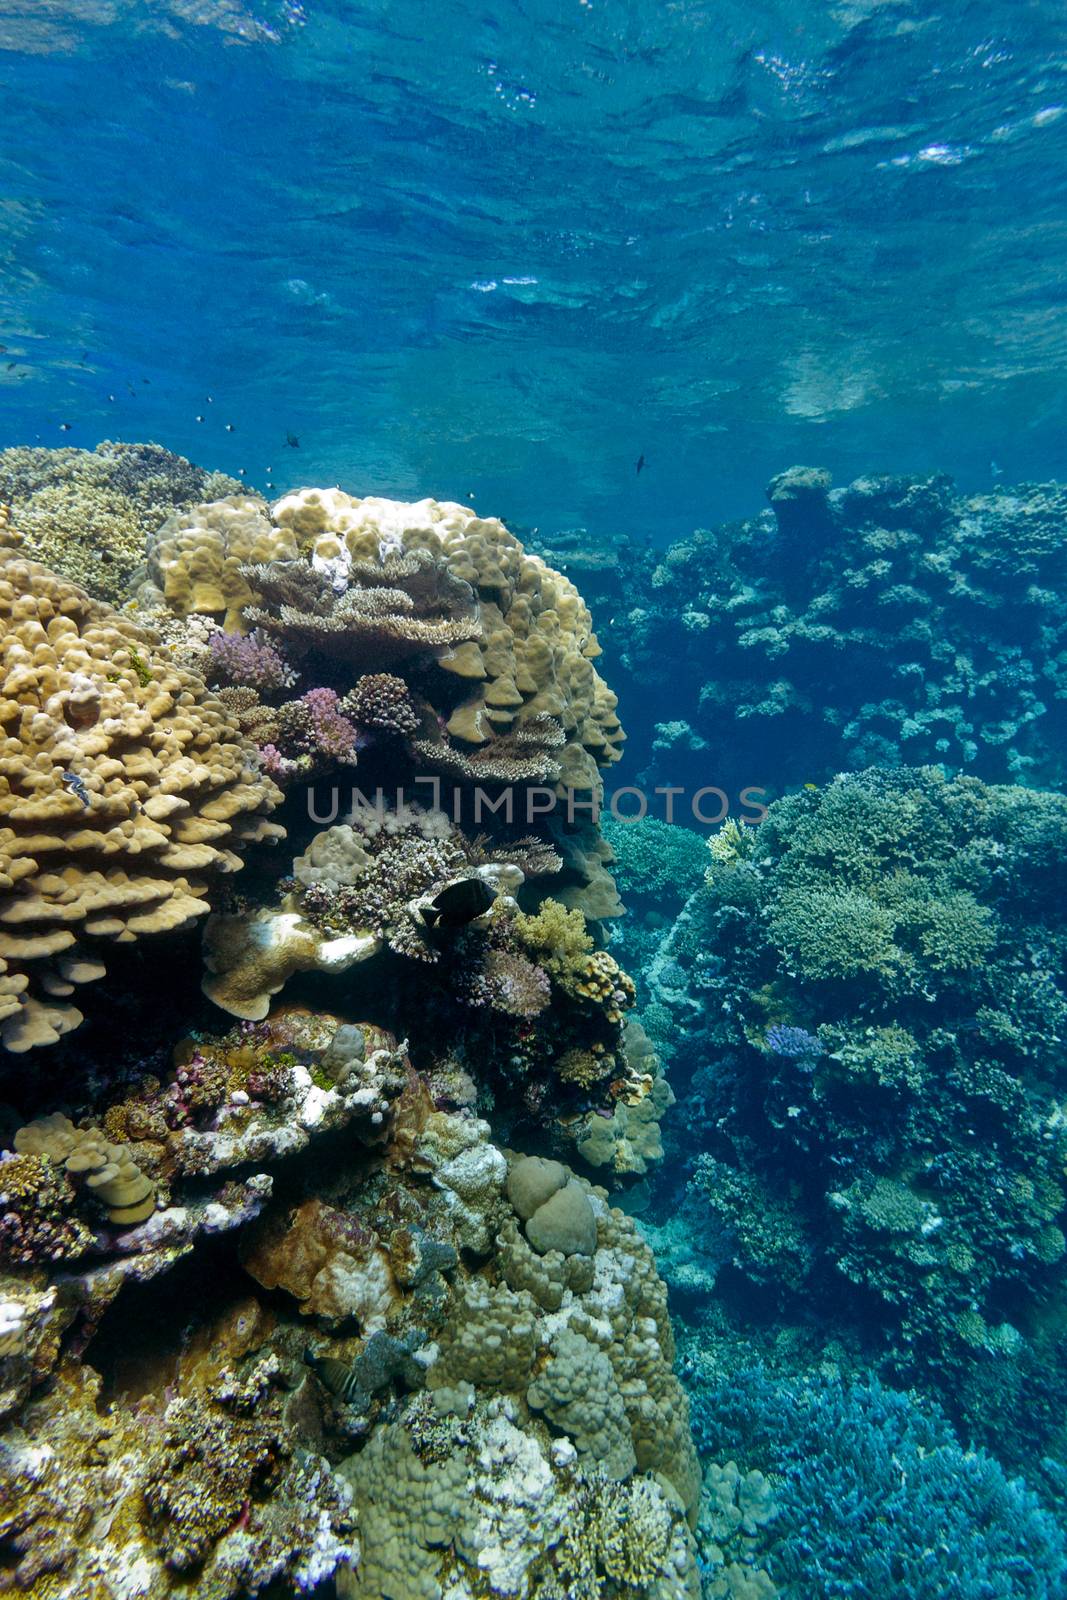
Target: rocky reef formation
461,1372
890,622
281,1311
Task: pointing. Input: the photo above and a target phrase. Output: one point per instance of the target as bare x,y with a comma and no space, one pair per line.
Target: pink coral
248,661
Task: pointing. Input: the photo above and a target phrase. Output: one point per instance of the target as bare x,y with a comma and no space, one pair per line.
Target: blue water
501,251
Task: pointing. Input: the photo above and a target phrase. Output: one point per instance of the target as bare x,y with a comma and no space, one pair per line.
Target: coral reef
195,559
891,622
124,789
408,1444
87,513
279,1312
870,1001
869,1494
513,637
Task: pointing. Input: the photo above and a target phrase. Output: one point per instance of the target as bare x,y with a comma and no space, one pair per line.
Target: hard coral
879,988
530,657
108,1170
87,513
124,786
929,620
196,559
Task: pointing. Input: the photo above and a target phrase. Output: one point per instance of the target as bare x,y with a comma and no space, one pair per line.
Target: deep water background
501,251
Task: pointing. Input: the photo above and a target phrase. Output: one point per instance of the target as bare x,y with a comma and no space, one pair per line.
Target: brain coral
124,787
87,513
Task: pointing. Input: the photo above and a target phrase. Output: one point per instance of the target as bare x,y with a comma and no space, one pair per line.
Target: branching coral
383,702
88,513
873,1494
247,660
882,1081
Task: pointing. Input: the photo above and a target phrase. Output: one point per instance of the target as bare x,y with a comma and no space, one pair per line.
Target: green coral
654,859
915,927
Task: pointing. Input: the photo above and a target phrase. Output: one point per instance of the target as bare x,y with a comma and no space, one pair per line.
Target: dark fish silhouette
335,1376
458,903
292,441
640,464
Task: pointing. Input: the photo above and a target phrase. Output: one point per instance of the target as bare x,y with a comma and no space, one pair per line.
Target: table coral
530,655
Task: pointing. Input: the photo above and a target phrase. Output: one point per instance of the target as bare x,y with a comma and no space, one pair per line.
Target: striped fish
337,1377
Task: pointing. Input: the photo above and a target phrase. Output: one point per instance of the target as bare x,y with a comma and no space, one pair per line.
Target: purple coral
275,765
248,661
793,1044
327,730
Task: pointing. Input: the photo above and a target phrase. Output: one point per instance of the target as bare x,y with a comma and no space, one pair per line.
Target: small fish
231,427
292,441
210,399
336,1377
76,786
65,427
813,787
997,472
111,397
240,472
640,464
199,419
458,903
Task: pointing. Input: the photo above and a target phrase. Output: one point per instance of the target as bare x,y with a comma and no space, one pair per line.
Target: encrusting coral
399,1438
124,788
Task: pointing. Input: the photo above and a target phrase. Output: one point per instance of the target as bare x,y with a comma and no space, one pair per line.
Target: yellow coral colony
124,787
109,1170
196,557
535,655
